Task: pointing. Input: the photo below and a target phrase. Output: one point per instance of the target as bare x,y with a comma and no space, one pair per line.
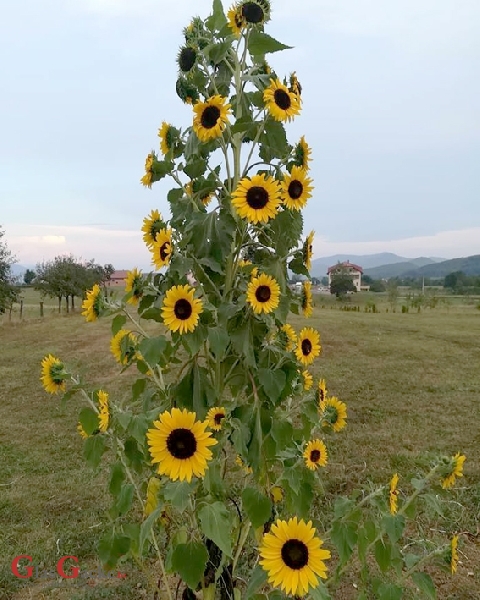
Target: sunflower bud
186,91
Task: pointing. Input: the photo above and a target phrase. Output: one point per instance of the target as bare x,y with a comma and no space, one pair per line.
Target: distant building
117,278
354,271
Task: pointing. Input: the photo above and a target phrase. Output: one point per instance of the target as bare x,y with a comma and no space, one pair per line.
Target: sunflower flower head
295,86
246,469
53,375
187,58
257,199
454,469
236,21
280,102
308,346
307,298
263,294
292,556
307,250
307,380
215,417
301,154
453,554
289,337
181,311
151,503
123,346
103,412
93,304
168,136
179,444
333,414
393,494
321,393
152,225
255,12
161,248
186,90
210,118
315,454
134,286
296,188
147,179
81,431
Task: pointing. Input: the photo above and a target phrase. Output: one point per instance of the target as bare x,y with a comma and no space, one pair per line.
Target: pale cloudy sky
391,108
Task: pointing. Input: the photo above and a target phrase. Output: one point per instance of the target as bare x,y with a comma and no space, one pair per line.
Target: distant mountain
470,265
398,269
367,261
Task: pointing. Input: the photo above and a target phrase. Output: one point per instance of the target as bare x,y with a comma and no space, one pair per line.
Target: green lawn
411,383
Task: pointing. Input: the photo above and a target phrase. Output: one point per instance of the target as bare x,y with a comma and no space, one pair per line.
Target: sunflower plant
219,449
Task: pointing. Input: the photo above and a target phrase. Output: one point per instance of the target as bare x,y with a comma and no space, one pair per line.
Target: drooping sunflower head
263,294
215,417
246,469
180,445
255,12
315,454
161,248
307,380
123,346
103,412
295,86
296,188
53,375
308,346
210,118
151,226
292,556
181,311
289,336
167,135
307,298
307,250
236,21
147,179
186,59
93,303
257,199
281,103
454,469
186,91
393,494
334,412
453,558
81,431
321,393
134,286
301,154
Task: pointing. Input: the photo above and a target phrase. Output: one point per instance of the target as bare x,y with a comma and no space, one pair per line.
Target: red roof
345,264
119,275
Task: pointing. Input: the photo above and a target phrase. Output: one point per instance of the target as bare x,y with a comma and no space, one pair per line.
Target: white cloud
447,244
161,9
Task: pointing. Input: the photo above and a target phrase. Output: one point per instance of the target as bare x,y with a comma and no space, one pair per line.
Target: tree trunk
72,298
67,305
59,304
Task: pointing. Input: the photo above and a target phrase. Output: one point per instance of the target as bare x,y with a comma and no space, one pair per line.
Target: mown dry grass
411,382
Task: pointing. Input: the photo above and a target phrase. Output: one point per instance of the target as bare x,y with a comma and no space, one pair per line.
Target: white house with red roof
353,270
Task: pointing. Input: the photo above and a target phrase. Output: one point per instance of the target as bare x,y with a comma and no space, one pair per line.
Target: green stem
241,542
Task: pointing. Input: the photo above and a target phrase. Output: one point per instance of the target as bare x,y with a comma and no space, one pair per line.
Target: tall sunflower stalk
223,437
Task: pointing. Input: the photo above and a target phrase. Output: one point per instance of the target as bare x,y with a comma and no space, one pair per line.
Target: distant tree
324,280
8,290
28,276
392,293
341,282
377,285
315,281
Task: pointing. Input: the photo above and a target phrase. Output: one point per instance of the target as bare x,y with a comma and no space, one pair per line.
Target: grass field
411,383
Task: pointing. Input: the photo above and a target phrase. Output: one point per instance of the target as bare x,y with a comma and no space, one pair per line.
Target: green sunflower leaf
89,420
424,582
179,493
344,536
93,450
117,477
195,168
261,43
189,561
117,323
218,340
320,592
383,553
272,382
273,141
257,506
389,591
111,548
124,500
216,523
257,579
217,20
152,349
394,526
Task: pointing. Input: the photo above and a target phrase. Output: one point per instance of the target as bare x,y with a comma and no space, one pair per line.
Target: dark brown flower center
295,554
164,250
306,347
315,456
295,189
210,117
186,59
257,197
218,418
181,443
282,99
263,293
252,12
183,309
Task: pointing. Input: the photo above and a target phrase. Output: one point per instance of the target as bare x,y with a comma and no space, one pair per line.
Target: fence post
41,308
21,309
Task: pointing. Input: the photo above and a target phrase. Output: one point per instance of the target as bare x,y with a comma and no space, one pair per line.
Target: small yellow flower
248,470
103,412
291,337
83,434
276,494
215,417
454,554
307,380
315,454
52,375
93,304
123,346
334,413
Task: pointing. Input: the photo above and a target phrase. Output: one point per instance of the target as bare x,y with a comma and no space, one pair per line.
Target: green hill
470,265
